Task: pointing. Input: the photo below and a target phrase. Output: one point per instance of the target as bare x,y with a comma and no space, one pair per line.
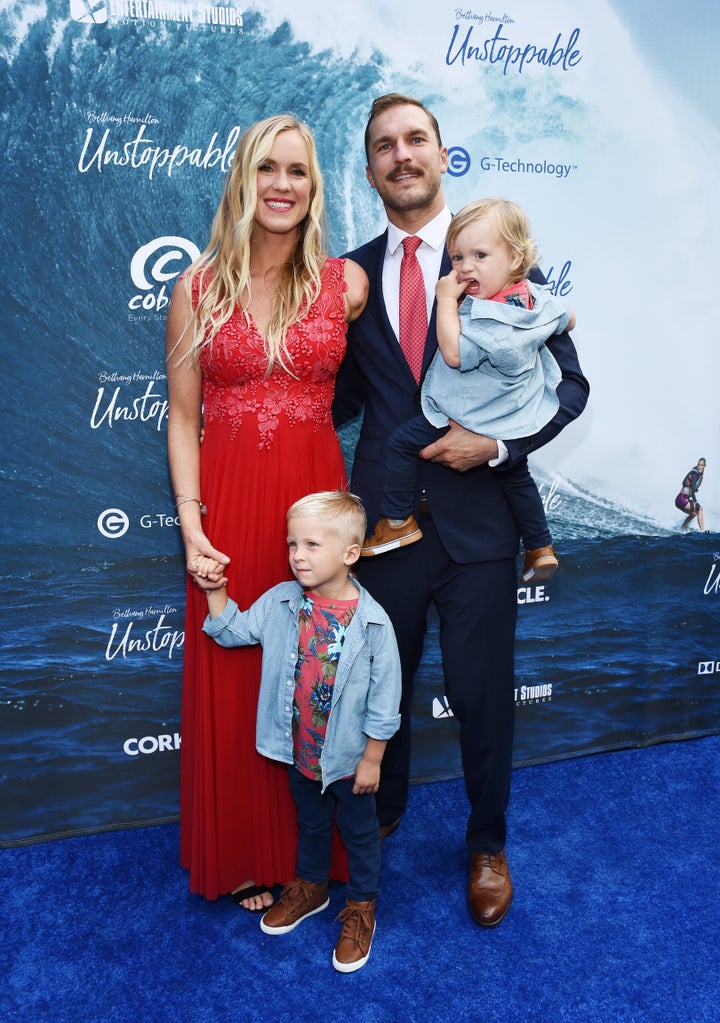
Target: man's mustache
394,175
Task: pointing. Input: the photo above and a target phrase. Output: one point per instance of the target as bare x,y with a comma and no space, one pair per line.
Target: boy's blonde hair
341,510
512,223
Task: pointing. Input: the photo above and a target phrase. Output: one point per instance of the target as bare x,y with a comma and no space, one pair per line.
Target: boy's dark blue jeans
358,826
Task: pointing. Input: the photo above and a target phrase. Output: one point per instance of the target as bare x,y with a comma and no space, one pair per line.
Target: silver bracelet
184,500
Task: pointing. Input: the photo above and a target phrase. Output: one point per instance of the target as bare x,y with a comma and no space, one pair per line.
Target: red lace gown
267,442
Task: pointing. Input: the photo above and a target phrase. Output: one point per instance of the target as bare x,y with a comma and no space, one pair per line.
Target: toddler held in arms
492,374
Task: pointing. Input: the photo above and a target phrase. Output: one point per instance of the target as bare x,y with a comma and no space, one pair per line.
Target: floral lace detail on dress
234,365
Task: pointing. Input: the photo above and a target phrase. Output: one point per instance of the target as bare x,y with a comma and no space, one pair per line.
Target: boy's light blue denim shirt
366,693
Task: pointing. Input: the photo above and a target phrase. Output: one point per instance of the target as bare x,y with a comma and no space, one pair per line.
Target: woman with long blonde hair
255,336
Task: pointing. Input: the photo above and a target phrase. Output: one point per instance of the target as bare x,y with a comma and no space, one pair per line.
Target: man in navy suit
466,561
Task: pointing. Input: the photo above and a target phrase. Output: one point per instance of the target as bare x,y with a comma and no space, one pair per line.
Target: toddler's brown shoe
388,538
540,565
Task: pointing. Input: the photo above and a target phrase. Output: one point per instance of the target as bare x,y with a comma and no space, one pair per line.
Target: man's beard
415,199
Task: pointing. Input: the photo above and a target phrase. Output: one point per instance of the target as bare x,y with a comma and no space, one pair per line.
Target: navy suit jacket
468,508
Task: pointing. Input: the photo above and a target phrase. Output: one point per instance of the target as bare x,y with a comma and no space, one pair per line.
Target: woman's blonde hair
512,223
223,269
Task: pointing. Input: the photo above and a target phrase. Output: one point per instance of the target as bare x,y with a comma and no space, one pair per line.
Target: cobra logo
154,264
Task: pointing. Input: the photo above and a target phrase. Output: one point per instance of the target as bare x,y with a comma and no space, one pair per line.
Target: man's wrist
502,455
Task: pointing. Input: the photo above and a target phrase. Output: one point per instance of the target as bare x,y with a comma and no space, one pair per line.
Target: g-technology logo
708,668
515,165
113,523
87,12
152,266
458,161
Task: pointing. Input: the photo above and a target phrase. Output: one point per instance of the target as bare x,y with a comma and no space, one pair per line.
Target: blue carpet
616,916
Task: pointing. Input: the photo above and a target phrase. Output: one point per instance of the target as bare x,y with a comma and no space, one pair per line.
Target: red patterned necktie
413,307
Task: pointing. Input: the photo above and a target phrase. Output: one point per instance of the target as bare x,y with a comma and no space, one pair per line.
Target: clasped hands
208,573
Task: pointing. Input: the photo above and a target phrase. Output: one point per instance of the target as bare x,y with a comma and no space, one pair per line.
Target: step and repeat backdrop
119,122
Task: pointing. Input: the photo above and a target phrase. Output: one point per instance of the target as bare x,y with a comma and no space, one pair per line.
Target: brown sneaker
389,538
353,947
539,566
297,900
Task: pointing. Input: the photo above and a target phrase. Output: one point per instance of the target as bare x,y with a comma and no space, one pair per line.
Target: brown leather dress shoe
489,890
386,830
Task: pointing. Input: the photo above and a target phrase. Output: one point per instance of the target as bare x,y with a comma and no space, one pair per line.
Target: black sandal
240,894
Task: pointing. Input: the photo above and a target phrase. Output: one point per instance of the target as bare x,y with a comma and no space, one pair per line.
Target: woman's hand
209,573
204,562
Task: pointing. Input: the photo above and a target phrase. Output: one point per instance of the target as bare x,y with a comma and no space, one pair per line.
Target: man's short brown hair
396,99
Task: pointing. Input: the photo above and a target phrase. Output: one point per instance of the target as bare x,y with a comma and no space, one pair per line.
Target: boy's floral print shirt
323,624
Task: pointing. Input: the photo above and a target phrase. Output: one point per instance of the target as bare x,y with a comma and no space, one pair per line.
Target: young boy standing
328,703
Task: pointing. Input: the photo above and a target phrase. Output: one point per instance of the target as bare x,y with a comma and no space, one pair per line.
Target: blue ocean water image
91,645
619,649
591,682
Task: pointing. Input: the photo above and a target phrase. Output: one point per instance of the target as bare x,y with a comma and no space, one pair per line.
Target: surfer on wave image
686,500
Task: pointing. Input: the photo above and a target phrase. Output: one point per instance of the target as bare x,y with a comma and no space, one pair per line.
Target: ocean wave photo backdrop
119,122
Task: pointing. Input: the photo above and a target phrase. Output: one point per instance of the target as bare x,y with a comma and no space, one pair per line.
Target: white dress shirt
429,256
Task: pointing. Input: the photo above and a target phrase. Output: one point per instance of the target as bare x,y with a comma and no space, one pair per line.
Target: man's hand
460,449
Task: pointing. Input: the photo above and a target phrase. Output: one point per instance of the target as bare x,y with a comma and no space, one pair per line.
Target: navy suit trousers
477,607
